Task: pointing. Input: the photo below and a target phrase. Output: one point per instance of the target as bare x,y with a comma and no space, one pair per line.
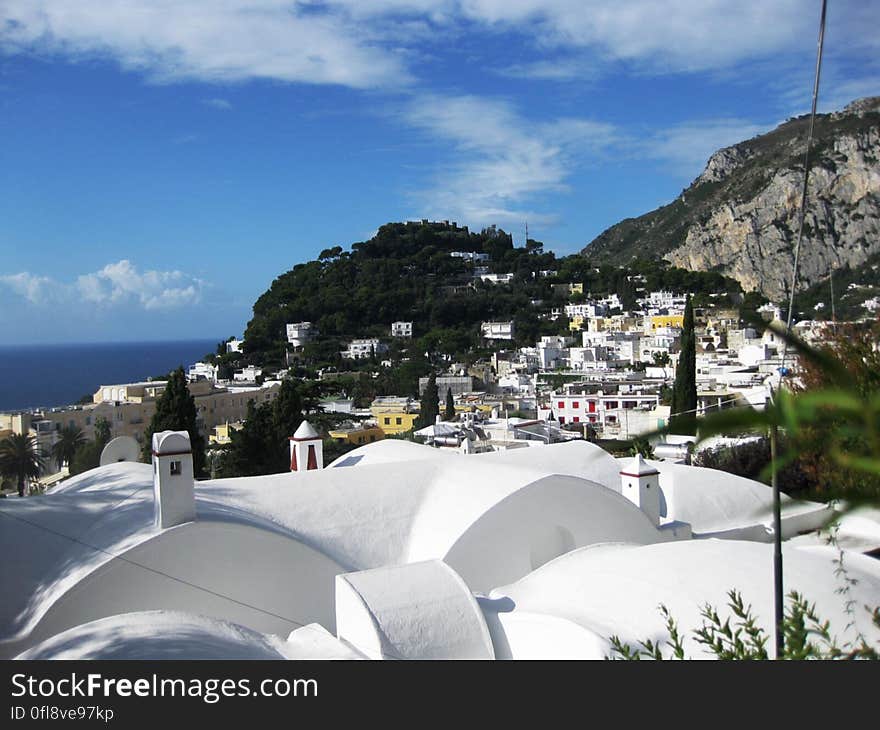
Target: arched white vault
264,552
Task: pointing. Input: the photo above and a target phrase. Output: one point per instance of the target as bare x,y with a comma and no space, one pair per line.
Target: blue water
56,375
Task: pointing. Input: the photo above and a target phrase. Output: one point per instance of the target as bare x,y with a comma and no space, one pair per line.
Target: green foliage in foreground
831,426
739,637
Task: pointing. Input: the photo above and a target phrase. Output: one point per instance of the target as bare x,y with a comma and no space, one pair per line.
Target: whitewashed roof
575,603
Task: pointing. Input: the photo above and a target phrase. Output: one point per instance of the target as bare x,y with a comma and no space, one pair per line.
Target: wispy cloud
687,147
119,284
217,103
499,159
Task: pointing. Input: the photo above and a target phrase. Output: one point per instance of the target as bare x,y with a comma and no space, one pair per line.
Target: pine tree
429,407
450,406
684,391
176,411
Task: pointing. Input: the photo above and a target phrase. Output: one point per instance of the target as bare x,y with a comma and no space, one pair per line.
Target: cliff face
740,216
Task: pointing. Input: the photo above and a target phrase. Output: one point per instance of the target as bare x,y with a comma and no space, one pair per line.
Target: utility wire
156,571
803,208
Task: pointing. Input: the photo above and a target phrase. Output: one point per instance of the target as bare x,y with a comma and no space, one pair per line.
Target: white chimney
640,484
173,479
306,449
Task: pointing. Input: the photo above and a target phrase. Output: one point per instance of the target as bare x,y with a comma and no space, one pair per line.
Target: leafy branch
739,637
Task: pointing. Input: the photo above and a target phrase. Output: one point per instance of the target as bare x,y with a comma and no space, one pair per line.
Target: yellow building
394,422
575,288
576,323
666,320
356,434
223,433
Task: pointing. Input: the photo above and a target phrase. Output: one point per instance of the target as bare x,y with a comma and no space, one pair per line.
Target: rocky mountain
740,216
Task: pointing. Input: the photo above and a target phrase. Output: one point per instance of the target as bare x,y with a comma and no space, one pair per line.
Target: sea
47,376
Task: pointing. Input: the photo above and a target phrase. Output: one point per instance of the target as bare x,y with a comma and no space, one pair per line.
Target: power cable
156,571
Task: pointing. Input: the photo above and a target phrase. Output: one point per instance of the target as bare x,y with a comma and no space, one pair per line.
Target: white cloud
119,284
33,288
228,40
499,159
687,147
364,43
217,103
122,282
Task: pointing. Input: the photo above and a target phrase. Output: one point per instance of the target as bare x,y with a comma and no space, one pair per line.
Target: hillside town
607,380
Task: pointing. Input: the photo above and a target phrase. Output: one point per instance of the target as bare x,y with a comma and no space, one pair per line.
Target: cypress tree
450,406
684,391
176,411
429,407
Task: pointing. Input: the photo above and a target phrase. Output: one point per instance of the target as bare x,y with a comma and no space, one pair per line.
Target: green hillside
406,272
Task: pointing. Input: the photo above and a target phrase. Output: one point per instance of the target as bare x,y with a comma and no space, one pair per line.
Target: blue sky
161,161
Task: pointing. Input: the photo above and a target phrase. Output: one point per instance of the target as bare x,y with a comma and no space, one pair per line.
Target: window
561,404
399,421
576,419
576,404
175,468
387,421
562,419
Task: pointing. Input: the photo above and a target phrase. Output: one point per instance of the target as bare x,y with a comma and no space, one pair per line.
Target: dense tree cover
405,272
684,389
176,411
851,287
261,446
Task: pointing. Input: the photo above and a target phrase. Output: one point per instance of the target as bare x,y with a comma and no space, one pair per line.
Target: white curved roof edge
152,635
414,611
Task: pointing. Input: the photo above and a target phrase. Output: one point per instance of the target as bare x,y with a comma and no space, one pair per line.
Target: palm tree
70,439
20,458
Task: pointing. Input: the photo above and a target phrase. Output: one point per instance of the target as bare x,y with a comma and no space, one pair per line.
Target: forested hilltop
406,272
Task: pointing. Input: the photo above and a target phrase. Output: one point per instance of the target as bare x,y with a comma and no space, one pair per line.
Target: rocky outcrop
740,217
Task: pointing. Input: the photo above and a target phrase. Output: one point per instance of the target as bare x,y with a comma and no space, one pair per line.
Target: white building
605,410
363,348
248,374
202,371
589,309
470,256
397,550
401,329
497,330
553,352
496,278
234,345
299,333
